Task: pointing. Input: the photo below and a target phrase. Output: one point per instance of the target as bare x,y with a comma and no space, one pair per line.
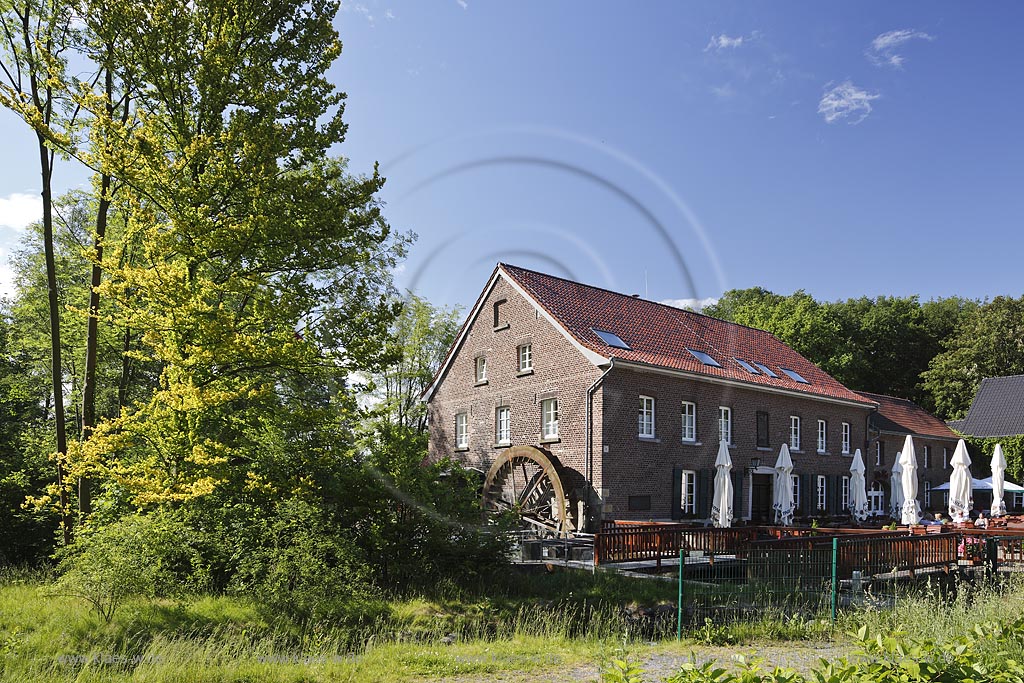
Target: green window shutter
676,497
833,495
738,505
808,495
703,494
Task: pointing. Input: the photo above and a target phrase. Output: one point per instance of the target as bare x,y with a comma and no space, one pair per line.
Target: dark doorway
761,498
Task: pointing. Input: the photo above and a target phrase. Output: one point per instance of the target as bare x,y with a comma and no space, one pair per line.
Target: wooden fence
637,542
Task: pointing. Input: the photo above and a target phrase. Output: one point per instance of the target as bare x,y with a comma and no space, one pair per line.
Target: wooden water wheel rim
546,514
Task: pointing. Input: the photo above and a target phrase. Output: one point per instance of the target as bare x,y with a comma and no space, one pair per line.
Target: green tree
988,342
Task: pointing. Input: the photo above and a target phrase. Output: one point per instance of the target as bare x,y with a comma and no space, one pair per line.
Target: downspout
589,458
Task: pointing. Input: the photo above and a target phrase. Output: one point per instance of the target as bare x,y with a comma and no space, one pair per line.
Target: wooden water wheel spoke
525,482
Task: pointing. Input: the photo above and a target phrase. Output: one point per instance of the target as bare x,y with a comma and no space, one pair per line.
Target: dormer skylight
704,358
748,367
794,375
766,370
610,338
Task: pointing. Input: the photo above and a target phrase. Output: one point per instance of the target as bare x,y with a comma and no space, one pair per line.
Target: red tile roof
660,335
906,417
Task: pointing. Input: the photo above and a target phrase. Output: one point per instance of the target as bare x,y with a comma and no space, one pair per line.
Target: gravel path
664,660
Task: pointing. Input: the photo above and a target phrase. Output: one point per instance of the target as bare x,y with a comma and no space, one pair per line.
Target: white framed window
846,438
927,495
794,432
689,421
688,494
796,490
878,453
821,492
503,425
927,456
845,497
646,417
526,358
549,413
725,424
945,458
876,497
822,436
481,369
1018,500
461,430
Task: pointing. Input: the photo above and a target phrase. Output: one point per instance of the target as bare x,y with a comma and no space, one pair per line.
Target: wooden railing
636,542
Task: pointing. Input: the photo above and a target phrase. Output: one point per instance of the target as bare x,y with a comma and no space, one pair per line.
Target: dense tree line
184,357
934,352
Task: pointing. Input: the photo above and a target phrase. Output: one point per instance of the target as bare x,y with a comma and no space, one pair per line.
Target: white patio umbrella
896,489
783,494
721,504
961,500
908,460
858,488
998,483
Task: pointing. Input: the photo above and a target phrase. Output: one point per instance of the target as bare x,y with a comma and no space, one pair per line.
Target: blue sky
681,149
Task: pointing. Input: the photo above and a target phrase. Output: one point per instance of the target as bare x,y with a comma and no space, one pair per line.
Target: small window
461,431
766,370
497,312
610,338
481,369
945,458
794,432
821,492
927,457
689,421
796,491
793,374
927,495
845,496
704,358
1018,499
846,438
549,413
639,503
747,366
725,424
526,358
688,495
822,436
503,426
879,453
763,438
646,417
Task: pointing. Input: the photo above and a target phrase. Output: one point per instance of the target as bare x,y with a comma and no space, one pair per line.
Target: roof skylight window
748,367
766,370
611,339
794,375
704,358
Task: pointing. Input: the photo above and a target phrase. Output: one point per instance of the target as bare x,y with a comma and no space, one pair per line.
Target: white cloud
697,305
360,9
882,50
18,210
725,91
463,4
389,15
724,42
846,101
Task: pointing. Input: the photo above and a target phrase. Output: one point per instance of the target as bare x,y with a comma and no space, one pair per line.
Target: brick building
934,443
628,400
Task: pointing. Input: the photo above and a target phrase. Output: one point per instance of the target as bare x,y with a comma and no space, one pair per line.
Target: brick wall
935,473
639,467
559,371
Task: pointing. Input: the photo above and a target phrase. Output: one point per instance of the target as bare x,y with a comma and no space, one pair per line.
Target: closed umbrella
896,489
961,500
858,488
998,483
908,460
721,504
783,494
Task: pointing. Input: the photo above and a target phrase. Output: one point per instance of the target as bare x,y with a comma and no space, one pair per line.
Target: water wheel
524,482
